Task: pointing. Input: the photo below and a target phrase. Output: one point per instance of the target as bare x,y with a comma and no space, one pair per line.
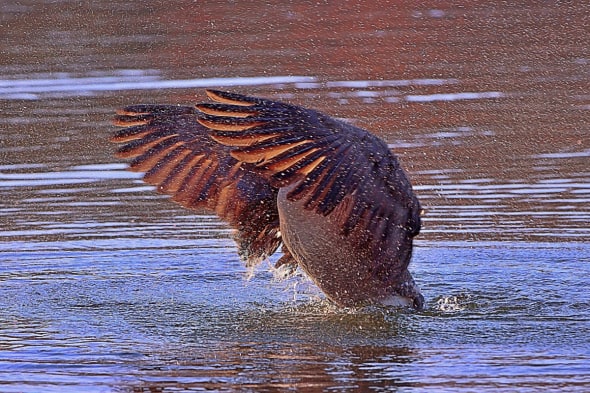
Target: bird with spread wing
331,194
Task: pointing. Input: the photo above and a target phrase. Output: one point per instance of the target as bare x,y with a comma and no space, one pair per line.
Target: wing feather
179,157
232,155
332,165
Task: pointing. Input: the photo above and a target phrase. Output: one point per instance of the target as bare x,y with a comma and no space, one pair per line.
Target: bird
331,195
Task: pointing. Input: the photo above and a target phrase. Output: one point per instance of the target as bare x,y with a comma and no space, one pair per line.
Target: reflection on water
75,175
66,85
107,286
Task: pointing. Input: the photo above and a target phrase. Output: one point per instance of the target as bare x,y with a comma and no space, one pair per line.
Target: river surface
106,285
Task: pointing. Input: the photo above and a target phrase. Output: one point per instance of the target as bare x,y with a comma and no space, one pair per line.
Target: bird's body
331,193
344,276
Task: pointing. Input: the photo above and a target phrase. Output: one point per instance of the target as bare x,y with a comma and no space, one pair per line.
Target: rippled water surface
106,285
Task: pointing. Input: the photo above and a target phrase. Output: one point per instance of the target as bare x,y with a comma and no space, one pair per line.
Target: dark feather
328,161
181,159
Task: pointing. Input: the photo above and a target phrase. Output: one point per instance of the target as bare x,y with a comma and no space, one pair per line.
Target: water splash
453,303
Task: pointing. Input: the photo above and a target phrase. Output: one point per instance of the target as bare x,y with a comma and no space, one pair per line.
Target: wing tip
226,97
122,121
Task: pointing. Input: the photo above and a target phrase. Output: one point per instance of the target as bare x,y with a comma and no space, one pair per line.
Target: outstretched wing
338,170
179,157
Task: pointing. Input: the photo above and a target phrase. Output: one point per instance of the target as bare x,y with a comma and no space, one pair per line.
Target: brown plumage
331,193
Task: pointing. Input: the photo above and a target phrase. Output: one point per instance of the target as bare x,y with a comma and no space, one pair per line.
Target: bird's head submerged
405,294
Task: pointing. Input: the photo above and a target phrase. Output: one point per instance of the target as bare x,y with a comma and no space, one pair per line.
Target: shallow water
107,286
